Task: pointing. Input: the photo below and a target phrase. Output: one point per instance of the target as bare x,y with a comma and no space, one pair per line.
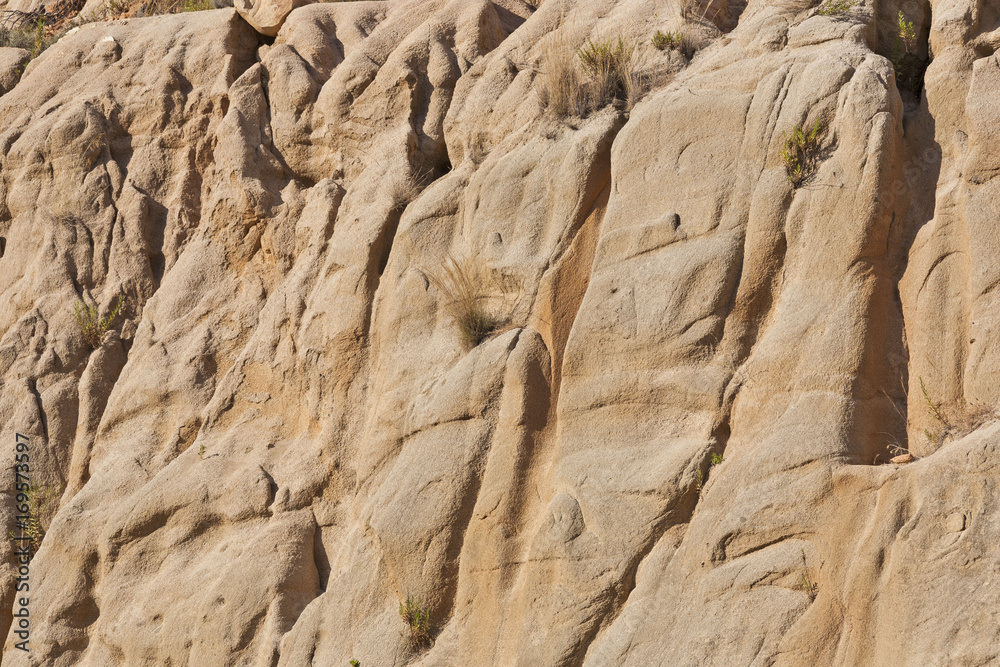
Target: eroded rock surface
283,435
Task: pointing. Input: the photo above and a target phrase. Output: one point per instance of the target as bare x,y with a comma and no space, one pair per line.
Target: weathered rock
12,63
266,16
284,435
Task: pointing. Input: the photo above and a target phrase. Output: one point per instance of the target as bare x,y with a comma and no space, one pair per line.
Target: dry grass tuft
600,73
466,288
696,11
403,187
953,422
119,9
563,88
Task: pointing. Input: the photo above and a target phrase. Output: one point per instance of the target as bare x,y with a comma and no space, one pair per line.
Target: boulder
12,64
266,16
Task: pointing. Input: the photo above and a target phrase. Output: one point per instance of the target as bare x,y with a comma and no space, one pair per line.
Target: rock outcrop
674,448
12,63
266,16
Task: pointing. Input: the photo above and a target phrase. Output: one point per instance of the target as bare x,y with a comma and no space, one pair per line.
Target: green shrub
908,65
665,41
418,618
92,325
700,478
835,7
34,40
800,153
196,5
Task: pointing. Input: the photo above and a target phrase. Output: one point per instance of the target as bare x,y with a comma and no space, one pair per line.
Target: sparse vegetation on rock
33,37
465,287
800,153
835,7
600,73
37,504
92,325
808,586
257,188
664,41
906,62
418,620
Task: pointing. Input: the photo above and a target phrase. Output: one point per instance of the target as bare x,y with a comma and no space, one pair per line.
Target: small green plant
665,41
800,152
92,325
809,587
907,33
34,40
908,65
700,478
418,618
935,410
465,287
835,7
201,450
197,5
118,8
41,502
354,663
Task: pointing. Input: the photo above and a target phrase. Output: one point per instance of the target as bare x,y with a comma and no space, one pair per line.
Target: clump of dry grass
576,82
563,89
403,187
952,422
611,66
696,11
118,9
466,287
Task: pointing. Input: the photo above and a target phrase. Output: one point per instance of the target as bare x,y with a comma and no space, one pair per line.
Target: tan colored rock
12,63
902,458
284,434
266,16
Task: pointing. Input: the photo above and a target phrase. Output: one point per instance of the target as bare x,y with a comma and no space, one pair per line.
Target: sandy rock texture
266,16
12,63
675,449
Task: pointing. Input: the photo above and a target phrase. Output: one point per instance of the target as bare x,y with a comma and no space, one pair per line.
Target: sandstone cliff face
284,435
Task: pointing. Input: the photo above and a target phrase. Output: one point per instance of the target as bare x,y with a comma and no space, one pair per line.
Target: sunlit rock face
702,371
